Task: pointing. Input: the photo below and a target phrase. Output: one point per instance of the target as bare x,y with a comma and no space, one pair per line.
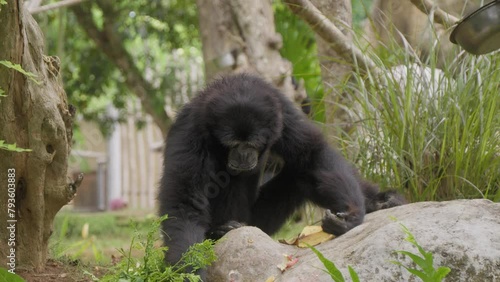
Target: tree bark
327,30
240,36
407,22
334,69
440,16
34,115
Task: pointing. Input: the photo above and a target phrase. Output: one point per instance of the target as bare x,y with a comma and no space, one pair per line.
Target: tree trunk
36,116
240,36
334,69
397,21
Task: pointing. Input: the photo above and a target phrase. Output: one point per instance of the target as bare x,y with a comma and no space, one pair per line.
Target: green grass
107,233
439,146
430,148
132,241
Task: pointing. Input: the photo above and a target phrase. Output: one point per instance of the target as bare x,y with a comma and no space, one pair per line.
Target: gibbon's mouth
237,167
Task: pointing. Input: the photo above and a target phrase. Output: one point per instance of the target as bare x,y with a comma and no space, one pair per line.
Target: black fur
205,197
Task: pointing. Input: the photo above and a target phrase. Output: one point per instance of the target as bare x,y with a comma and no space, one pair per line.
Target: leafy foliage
151,267
6,276
149,30
425,261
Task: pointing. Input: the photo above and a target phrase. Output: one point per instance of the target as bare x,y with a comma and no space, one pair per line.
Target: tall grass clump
435,138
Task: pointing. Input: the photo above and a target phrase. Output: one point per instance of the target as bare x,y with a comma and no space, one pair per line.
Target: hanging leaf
18,68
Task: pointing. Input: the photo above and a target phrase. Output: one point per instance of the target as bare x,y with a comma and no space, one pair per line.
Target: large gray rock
463,235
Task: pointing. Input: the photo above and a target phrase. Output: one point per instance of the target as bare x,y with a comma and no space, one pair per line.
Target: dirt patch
58,271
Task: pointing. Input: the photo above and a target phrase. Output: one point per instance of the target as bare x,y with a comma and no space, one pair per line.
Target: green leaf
2,93
20,69
442,272
12,147
330,266
6,276
415,258
354,275
418,273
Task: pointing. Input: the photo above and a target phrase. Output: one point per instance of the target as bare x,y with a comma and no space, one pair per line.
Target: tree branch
32,4
109,42
35,8
331,34
440,16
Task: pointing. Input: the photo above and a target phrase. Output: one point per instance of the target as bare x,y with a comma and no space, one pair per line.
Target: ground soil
63,272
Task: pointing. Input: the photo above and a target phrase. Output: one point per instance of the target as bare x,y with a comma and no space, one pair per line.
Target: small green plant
151,266
427,272
332,269
425,261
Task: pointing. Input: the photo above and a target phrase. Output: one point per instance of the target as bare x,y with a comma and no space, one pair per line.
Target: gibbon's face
247,132
247,123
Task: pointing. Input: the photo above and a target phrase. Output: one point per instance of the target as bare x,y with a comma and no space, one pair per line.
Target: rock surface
462,234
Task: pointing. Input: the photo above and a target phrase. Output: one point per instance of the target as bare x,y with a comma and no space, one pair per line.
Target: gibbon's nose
243,157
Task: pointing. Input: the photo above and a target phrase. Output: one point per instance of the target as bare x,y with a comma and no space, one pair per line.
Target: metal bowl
479,33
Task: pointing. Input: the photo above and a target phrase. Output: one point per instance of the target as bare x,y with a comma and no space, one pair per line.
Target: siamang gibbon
216,153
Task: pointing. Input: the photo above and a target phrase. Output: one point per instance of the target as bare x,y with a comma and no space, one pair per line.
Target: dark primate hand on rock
217,151
221,230
332,222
